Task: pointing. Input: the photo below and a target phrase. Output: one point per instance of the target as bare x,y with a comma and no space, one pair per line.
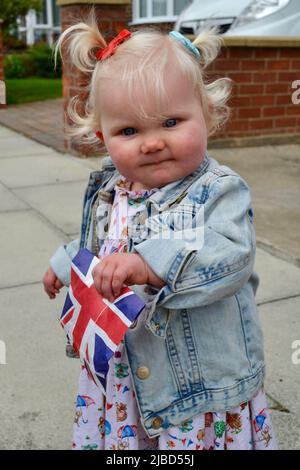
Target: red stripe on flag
67,317
93,308
112,325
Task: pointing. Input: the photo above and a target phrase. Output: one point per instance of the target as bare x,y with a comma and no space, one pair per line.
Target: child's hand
118,269
52,284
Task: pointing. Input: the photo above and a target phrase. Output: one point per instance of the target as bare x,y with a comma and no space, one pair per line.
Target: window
156,11
41,16
56,13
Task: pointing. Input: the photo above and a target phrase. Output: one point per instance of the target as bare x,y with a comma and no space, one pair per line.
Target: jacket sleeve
61,261
221,264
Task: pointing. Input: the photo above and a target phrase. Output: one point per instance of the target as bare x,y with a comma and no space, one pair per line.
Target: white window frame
168,18
32,25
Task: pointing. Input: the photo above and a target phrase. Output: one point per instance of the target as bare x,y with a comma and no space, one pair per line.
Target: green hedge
37,61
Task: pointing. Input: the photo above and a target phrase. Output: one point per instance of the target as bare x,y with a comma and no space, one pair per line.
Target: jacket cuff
172,267
61,261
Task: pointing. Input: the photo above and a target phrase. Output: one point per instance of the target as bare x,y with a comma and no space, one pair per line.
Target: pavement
42,121
41,194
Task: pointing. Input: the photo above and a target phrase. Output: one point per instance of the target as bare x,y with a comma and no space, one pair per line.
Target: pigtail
209,43
217,92
83,40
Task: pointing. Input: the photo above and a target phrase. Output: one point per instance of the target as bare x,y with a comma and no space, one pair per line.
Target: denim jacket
201,346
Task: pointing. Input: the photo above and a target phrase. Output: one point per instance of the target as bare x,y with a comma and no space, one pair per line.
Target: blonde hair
142,59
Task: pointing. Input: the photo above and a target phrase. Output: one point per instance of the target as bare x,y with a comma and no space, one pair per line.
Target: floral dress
113,422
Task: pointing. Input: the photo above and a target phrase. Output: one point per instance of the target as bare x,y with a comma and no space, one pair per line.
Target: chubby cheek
193,146
122,159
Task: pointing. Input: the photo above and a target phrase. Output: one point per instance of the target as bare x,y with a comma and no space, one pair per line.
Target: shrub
43,62
36,61
14,66
12,43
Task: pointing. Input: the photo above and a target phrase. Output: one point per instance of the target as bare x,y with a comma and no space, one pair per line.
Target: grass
26,90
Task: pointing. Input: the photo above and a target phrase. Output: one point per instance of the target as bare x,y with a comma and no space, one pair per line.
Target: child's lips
158,160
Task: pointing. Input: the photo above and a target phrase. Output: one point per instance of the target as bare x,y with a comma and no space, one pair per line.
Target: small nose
152,144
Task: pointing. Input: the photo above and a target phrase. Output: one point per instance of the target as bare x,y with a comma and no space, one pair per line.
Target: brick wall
262,72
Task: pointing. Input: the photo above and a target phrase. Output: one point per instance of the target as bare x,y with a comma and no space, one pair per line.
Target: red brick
284,122
251,89
277,88
224,53
240,101
242,77
283,99
118,25
293,110
261,124
295,65
273,111
253,65
238,125
278,64
228,65
265,52
262,100
289,52
249,113
288,76
240,53
265,77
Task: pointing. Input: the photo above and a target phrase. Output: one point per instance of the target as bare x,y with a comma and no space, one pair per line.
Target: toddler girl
190,372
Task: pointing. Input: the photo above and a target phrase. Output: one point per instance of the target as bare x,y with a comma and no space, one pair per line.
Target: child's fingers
58,284
118,280
106,281
49,292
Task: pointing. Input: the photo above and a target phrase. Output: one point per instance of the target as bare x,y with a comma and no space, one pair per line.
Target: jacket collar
163,197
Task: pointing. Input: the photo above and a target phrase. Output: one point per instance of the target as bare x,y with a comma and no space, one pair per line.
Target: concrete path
40,207
42,121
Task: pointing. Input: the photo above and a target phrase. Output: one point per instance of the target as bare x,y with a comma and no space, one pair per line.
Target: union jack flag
93,325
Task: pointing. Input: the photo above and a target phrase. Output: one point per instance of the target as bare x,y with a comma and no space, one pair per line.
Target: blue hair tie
186,42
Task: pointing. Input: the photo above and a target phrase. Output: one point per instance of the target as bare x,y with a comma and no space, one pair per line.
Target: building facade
46,25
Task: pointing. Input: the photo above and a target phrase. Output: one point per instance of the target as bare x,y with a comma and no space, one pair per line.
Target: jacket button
143,372
157,422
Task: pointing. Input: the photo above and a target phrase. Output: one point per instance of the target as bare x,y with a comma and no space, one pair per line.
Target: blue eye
128,131
170,123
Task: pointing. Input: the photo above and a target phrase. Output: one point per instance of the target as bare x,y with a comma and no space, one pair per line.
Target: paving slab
26,242
61,204
38,382
5,132
41,169
278,278
281,325
286,427
21,146
273,173
9,201
94,163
